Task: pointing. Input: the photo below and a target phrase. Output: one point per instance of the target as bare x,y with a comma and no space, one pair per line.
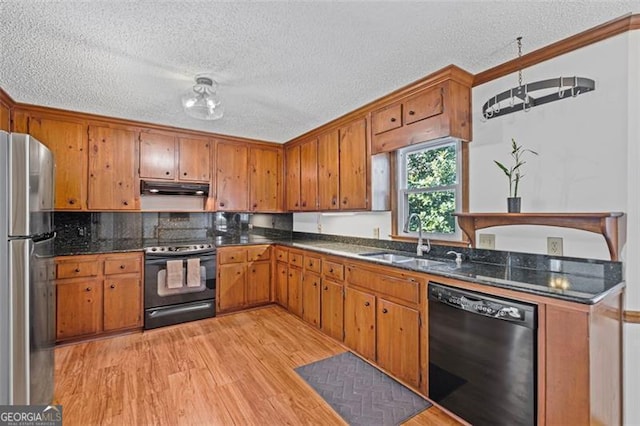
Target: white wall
347,224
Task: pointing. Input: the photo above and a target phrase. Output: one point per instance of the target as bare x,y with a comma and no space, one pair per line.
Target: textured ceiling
283,68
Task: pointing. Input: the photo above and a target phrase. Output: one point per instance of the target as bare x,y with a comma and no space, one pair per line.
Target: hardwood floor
236,369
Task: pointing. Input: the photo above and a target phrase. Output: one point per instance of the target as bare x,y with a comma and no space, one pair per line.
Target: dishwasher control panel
482,304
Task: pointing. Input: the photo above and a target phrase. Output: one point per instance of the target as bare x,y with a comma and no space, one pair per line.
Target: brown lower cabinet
98,294
244,277
332,308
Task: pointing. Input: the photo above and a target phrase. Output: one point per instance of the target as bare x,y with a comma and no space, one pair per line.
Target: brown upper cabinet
67,140
170,157
309,175
431,112
5,117
265,185
292,166
329,170
354,162
232,176
112,183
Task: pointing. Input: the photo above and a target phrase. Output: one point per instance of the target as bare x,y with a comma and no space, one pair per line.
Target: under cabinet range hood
174,188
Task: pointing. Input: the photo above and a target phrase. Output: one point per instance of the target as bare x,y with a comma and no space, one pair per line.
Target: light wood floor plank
236,369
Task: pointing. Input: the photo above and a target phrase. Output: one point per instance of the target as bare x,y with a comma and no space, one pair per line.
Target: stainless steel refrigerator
27,291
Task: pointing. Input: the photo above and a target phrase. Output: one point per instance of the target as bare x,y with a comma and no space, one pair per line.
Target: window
429,176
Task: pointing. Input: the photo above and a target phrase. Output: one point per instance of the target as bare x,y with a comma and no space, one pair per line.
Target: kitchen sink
404,260
388,257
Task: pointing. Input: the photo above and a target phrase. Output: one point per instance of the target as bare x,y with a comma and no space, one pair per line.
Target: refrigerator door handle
19,255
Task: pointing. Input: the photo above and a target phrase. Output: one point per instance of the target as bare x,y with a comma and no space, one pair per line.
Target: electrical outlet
554,246
487,241
376,233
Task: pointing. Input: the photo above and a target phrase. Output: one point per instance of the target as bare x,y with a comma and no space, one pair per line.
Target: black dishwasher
482,356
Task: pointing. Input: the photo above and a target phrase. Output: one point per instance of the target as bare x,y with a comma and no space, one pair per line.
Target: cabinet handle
344,201
326,287
167,173
384,311
304,204
112,286
221,204
255,206
184,174
126,203
412,112
333,201
72,202
315,284
122,266
331,271
87,289
77,270
393,119
366,303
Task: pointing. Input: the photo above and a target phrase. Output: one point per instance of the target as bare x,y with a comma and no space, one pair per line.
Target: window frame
460,188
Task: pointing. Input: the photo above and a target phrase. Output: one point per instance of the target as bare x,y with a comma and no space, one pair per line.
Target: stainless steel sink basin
389,257
424,263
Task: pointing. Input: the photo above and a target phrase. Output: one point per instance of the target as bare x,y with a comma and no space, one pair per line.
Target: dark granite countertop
575,280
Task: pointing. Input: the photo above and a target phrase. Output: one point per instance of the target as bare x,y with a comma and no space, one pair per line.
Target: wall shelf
605,224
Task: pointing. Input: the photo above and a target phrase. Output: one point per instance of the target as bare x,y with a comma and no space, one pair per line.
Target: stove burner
181,249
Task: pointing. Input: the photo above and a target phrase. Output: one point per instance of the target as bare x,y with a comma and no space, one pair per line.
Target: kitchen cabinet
167,156
437,108
67,140
329,170
265,183
112,166
244,277
311,288
98,294
294,283
309,175
280,286
232,189
5,117
353,166
382,319
292,170
332,298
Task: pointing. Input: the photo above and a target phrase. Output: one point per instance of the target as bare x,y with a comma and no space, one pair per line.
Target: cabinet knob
112,286
393,119
122,266
304,204
331,270
126,203
72,202
366,303
87,289
167,173
77,270
412,112
184,174
384,311
326,287
255,206
344,201
334,201
315,284
221,204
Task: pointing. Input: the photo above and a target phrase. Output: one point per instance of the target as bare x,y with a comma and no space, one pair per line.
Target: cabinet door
398,341
360,322
231,285
78,308
122,302
387,118
68,142
332,314
328,171
231,180
5,117
311,298
112,169
353,166
294,290
292,166
309,175
281,284
194,163
265,194
157,156
258,279
423,105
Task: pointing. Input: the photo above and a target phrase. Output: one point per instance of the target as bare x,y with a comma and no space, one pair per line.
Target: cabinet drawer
312,263
258,253
88,268
296,259
123,265
232,256
333,270
403,288
282,255
423,105
386,119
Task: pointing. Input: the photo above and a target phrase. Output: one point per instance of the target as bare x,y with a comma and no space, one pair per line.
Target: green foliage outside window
434,171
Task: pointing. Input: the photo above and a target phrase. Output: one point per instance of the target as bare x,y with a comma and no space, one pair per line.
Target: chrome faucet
421,249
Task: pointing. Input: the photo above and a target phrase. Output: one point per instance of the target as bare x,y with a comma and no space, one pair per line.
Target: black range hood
174,188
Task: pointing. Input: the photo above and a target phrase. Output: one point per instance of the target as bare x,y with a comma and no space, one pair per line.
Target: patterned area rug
360,393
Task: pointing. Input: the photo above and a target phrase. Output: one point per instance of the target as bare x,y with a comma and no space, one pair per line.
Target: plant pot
513,204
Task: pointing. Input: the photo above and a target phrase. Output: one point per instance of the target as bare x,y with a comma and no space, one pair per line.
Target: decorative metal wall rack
509,100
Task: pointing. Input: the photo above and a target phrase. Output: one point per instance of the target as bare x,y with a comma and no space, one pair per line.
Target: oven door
160,290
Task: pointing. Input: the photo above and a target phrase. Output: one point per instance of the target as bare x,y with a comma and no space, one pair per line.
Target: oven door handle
172,310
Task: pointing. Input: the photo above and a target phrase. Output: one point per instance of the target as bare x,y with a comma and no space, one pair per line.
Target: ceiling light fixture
556,89
202,102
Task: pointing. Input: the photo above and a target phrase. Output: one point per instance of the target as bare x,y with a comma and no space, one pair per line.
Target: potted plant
514,173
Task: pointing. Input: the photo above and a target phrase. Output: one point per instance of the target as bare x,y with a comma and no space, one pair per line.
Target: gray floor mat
360,393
